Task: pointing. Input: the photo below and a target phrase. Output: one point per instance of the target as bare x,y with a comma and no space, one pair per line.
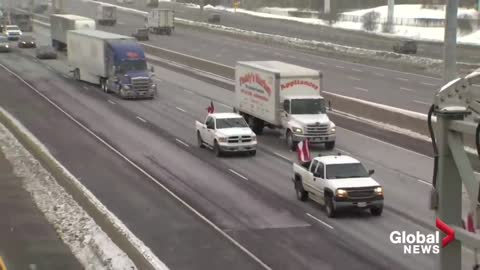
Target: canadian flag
211,108
303,151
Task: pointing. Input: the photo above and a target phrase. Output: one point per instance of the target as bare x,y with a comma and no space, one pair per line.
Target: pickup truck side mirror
371,172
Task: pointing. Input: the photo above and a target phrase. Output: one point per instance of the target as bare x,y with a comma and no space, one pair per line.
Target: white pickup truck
226,132
338,182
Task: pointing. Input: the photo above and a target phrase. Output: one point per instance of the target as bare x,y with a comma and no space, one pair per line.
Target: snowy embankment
401,12
77,229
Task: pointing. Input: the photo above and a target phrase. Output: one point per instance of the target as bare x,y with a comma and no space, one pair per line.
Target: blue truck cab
127,71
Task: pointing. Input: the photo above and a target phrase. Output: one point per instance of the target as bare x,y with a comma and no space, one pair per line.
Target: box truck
106,15
117,63
61,23
160,21
280,95
152,3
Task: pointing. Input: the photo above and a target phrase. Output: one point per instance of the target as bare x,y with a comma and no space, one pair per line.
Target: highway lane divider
140,254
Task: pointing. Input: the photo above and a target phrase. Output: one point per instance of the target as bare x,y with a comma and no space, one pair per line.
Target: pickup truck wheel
200,141
377,211
329,207
302,195
217,150
292,145
330,145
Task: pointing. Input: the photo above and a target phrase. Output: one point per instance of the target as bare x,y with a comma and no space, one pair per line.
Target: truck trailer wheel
292,145
330,145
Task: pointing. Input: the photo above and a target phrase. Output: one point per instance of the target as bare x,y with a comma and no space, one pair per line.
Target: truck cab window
286,106
209,123
308,106
320,171
313,168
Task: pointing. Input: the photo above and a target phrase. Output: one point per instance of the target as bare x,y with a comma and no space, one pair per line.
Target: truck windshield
12,28
131,65
308,106
349,170
231,123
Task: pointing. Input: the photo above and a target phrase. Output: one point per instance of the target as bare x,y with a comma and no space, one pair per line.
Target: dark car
141,34
4,45
46,52
406,47
27,42
214,18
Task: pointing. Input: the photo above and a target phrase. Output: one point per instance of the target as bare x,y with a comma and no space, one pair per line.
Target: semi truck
152,3
106,15
117,63
60,24
283,96
160,21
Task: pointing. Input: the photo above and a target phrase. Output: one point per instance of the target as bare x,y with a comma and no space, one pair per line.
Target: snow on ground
413,11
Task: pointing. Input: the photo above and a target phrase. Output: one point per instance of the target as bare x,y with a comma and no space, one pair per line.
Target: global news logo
420,243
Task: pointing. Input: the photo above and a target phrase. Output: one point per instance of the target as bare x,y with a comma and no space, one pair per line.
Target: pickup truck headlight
153,86
332,128
126,87
222,139
297,130
341,193
378,191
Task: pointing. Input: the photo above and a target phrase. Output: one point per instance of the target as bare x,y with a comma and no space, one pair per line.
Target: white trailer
280,95
106,14
60,24
160,21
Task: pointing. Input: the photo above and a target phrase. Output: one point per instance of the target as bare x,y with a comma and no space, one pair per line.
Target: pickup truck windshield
350,170
131,65
308,106
12,28
231,123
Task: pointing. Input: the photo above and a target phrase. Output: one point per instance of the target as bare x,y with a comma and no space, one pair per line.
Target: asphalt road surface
251,199
398,89
466,53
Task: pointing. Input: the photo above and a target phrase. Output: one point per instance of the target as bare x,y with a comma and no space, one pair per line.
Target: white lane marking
320,221
340,67
361,89
140,169
141,119
357,70
281,156
379,74
85,87
354,78
238,174
407,89
226,106
182,142
424,182
180,109
402,79
188,91
111,102
421,102
428,84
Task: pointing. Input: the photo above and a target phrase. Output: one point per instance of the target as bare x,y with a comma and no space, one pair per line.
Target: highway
251,199
359,39
384,86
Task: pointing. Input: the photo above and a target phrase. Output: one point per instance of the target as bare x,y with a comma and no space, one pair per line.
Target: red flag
303,151
211,108
470,225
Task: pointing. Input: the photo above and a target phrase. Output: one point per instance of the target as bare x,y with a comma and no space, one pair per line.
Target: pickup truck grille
239,139
316,130
361,193
140,84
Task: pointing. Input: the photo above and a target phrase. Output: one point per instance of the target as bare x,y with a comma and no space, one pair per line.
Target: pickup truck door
308,178
208,134
320,180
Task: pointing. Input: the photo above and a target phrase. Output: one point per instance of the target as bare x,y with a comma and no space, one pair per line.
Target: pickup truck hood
310,119
13,32
228,132
353,182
